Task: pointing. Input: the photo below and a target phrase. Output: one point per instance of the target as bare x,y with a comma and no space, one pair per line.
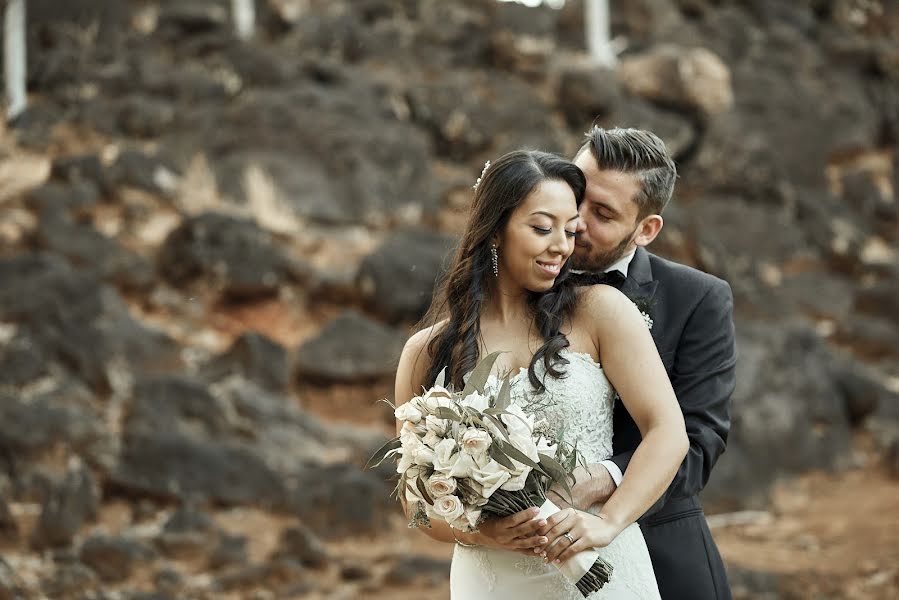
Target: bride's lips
550,268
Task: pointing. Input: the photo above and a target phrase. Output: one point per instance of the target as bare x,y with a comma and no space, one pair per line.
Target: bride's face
538,238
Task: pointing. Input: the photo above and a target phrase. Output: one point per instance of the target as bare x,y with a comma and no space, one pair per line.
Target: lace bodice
577,407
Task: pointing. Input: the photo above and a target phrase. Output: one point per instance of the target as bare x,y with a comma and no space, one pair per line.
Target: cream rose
441,485
475,442
448,508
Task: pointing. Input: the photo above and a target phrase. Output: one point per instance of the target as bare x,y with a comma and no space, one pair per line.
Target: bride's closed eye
547,231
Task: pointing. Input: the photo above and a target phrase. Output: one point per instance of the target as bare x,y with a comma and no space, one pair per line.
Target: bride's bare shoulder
597,301
420,340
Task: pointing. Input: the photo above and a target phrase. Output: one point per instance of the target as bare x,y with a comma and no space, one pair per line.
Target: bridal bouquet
464,455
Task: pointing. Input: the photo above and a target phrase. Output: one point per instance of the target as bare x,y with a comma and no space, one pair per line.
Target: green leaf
558,474
441,378
556,471
513,452
499,425
497,455
480,374
504,398
424,492
445,412
378,457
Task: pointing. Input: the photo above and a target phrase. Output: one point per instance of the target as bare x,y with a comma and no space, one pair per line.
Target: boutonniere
644,305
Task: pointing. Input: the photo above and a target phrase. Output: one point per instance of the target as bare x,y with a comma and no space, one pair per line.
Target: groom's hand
593,485
518,533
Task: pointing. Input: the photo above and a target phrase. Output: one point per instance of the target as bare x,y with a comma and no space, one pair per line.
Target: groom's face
608,216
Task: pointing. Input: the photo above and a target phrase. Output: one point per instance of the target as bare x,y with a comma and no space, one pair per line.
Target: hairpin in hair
478,182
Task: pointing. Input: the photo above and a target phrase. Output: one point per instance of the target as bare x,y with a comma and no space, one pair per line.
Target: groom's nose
581,226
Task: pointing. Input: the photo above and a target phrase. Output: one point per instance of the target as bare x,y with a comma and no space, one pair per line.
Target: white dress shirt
622,265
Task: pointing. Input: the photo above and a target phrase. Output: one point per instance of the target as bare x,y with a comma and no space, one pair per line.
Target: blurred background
219,220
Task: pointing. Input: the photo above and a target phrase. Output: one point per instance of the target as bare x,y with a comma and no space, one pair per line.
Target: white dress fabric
579,405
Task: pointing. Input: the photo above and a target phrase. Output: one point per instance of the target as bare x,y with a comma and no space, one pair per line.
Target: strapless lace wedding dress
580,405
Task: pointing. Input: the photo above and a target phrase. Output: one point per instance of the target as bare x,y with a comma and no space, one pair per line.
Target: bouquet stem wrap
578,565
581,569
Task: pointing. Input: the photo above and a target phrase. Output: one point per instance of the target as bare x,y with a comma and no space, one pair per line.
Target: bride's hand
570,531
518,533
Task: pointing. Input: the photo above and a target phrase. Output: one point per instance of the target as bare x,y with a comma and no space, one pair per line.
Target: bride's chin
543,286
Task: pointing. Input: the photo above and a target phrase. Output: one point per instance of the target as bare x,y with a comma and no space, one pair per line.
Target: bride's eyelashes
543,231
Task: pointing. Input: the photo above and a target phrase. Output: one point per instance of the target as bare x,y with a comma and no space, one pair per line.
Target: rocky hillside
211,252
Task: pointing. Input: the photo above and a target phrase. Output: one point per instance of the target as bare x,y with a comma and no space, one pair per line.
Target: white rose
476,401
407,412
491,477
517,480
517,421
441,485
525,443
436,397
424,456
405,461
475,441
443,453
431,439
462,466
448,508
437,425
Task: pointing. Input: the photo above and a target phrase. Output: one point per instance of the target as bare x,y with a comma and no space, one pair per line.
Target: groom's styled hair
640,153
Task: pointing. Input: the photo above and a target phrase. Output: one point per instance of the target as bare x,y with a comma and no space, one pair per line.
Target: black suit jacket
693,330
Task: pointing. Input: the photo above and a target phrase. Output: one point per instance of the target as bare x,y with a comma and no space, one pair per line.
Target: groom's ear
649,228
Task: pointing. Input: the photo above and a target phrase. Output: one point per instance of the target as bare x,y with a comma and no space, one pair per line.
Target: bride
568,350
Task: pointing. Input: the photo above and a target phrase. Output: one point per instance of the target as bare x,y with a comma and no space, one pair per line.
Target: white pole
244,12
14,66
597,23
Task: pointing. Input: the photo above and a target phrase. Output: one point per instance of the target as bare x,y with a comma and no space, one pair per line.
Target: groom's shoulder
683,277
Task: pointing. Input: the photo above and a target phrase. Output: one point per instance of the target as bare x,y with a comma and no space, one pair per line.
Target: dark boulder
398,278
350,348
72,503
255,357
233,254
114,558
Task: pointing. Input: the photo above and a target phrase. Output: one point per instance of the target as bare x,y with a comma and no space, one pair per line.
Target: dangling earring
495,260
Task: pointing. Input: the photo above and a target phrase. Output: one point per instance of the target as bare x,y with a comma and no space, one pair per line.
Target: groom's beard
598,262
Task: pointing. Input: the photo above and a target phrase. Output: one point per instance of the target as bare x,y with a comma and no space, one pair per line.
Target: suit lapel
639,284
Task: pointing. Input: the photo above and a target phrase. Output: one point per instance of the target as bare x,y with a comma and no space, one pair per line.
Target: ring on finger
568,537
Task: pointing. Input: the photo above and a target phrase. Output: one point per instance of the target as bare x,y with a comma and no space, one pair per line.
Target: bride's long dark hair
461,294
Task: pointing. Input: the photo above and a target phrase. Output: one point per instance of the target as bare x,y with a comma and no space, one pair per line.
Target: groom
630,179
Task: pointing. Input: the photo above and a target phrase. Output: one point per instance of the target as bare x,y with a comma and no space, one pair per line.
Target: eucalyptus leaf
499,425
513,452
480,374
504,398
441,378
556,471
424,492
378,457
497,455
445,412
